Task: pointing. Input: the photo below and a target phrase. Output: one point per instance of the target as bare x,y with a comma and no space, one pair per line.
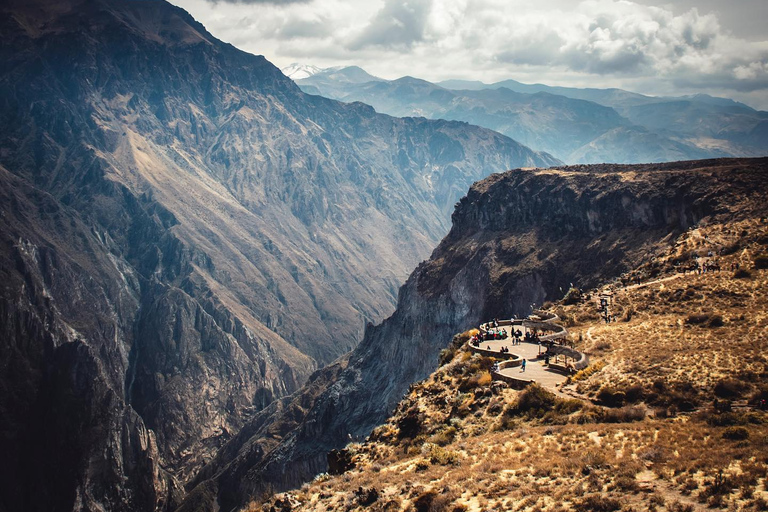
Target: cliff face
186,237
518,238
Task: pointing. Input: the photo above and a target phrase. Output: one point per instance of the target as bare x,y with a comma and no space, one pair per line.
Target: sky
716,47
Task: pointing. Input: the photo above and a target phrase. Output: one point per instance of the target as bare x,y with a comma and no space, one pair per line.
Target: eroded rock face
518,238
186,236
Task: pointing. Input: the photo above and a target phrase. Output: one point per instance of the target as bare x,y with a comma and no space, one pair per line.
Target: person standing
522,366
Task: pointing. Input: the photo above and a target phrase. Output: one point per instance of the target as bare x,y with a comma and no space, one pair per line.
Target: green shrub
572,296
444,436
441,456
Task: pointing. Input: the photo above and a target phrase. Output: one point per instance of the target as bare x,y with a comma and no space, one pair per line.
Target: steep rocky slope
186,237
671,413
518,238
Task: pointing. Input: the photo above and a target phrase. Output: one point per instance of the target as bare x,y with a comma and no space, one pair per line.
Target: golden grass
484,450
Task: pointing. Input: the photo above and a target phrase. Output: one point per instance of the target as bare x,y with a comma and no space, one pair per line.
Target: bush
705,319
366,497
588,371
444,436
719,487
441,456
535,400
742,273
423,502
572,296
611,397
626,414
410,424
730,388
736,433
446,356
761,261
478,380
597,503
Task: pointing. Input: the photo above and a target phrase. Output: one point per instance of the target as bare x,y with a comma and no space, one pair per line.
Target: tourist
522,366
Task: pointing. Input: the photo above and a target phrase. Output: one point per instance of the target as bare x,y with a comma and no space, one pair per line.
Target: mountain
718,125
575,125
519,239
332,82
605,438
186,238
298,71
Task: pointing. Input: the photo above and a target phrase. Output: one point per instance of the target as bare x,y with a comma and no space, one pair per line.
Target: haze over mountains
186,237
575,125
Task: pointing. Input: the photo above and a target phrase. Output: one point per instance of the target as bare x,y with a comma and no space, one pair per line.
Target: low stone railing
514,382
541,321
493,353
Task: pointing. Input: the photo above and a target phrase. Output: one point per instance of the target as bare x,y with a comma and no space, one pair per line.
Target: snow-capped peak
298,71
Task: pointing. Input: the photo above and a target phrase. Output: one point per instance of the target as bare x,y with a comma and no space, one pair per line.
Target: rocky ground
668,416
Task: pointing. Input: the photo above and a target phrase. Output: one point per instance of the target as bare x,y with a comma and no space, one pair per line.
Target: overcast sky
718,47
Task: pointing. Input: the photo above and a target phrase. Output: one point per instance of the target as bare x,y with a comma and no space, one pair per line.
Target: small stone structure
545,323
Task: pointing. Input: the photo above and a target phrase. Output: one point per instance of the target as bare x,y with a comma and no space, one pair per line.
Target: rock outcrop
186,236
518,239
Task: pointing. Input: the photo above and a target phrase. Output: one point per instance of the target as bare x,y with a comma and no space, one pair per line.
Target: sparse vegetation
668,415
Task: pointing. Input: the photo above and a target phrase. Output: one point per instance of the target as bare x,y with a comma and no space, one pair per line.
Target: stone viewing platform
538,341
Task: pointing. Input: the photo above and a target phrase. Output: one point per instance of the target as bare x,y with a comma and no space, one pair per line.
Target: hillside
518,238
186,238
670,414
575,125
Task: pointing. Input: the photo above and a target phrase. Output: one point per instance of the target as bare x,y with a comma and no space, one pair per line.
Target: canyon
186,237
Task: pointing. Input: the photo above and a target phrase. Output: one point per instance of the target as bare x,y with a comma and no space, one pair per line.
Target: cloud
595,43
398,25
270,2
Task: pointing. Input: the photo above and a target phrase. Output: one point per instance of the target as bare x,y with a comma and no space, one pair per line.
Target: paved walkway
534,370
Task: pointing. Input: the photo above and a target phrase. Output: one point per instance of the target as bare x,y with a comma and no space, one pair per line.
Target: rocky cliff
518,239
186,236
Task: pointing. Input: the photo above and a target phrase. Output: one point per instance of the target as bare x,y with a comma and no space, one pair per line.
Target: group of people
491,332
709,266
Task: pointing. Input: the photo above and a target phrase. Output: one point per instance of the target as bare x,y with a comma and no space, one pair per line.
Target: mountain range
186,237
575,125
200,262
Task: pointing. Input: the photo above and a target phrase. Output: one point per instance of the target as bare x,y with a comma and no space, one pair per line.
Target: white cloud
594,43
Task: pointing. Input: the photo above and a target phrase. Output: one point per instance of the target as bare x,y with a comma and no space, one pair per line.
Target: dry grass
694,343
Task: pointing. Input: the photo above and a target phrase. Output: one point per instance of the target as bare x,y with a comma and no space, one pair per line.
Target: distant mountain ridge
575,125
